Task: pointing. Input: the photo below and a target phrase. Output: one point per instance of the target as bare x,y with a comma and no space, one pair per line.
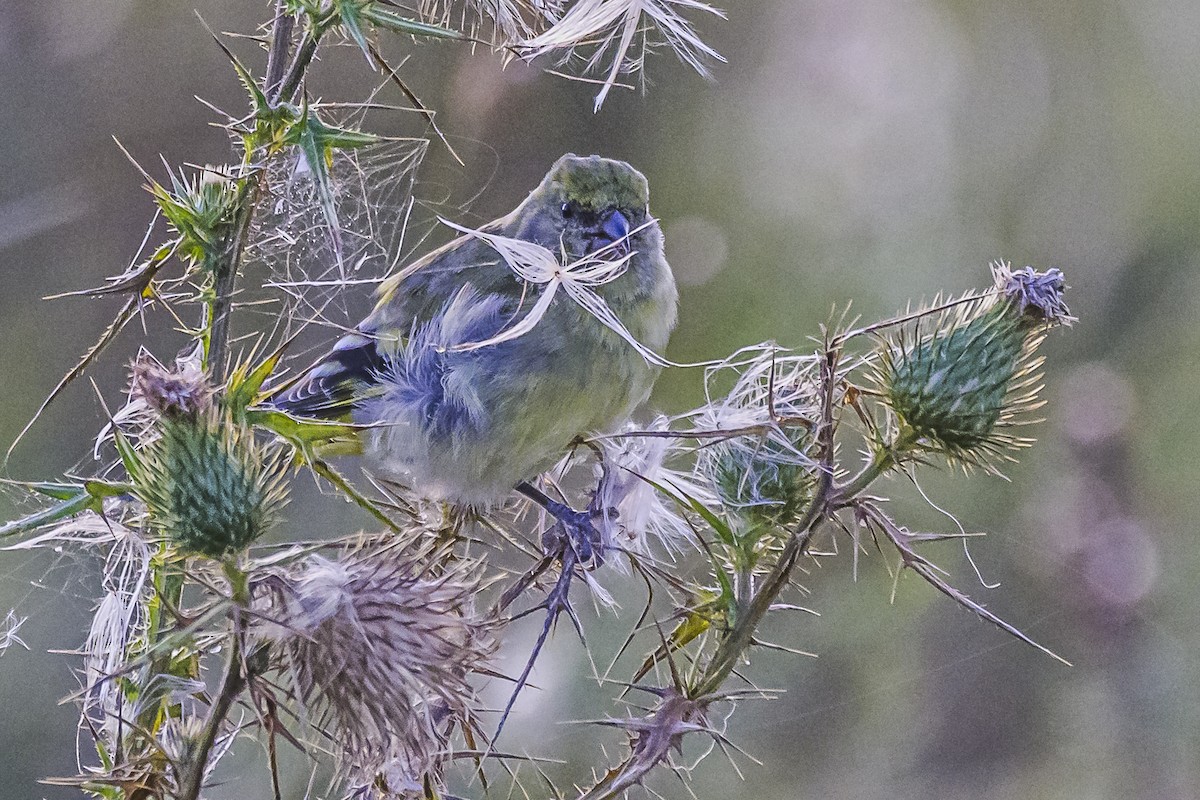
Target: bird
448,405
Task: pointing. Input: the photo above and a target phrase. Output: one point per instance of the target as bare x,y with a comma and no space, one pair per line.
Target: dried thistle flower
956,387
382,645
512,19
633,509
208,485
172,394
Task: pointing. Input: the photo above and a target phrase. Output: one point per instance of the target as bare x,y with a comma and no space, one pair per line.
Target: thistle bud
763,480
764,472
956,386
208,486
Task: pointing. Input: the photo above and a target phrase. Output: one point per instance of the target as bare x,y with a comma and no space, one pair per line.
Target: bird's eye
568,210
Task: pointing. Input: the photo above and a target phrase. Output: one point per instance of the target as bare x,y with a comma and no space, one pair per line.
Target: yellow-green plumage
468,426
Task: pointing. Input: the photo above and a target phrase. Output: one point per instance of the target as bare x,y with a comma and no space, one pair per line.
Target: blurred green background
875,151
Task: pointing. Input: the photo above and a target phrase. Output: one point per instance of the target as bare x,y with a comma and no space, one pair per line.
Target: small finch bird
462,412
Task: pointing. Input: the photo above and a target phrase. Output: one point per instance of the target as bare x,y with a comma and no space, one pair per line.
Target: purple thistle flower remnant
1035,294
173,394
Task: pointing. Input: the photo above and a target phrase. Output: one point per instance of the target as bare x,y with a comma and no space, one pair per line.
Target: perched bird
469,424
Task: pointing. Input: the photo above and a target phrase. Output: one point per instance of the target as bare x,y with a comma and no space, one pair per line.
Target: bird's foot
574,530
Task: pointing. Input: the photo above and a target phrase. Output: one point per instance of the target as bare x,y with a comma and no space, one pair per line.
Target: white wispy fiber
381,648
633,510
767,415
773,388
539,266
613,25
120,615
513,19
9,629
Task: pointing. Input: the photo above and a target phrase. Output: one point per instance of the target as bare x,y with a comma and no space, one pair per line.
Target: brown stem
226,279
231,686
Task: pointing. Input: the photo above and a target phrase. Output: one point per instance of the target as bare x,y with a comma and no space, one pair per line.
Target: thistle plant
223,621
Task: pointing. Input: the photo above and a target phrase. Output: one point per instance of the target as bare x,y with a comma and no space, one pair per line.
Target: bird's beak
616,230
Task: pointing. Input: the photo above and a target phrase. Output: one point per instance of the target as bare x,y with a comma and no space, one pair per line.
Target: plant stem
295,73
731,648
225,279
281,40
232,683
231,686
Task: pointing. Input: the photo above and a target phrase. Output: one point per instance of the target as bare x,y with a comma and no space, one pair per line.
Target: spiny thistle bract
956,387
383,645
207,484
767,484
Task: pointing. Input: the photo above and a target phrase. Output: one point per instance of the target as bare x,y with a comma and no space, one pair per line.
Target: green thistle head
201,210
208,486
956,387
766,482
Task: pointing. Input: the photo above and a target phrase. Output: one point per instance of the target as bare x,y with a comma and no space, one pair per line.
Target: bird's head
586,203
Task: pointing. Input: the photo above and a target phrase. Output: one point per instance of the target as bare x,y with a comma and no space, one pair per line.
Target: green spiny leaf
83,501
398,24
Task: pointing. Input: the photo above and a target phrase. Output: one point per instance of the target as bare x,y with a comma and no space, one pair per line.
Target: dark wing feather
409,300
331,387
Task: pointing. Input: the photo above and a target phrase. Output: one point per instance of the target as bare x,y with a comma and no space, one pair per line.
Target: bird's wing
416,294
331,387
409,300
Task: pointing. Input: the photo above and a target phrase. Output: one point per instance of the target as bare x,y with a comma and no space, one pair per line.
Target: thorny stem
232,683
226,278
736,642
226,271
730,651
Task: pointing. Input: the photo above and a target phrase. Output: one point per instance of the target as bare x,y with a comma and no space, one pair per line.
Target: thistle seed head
382,646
